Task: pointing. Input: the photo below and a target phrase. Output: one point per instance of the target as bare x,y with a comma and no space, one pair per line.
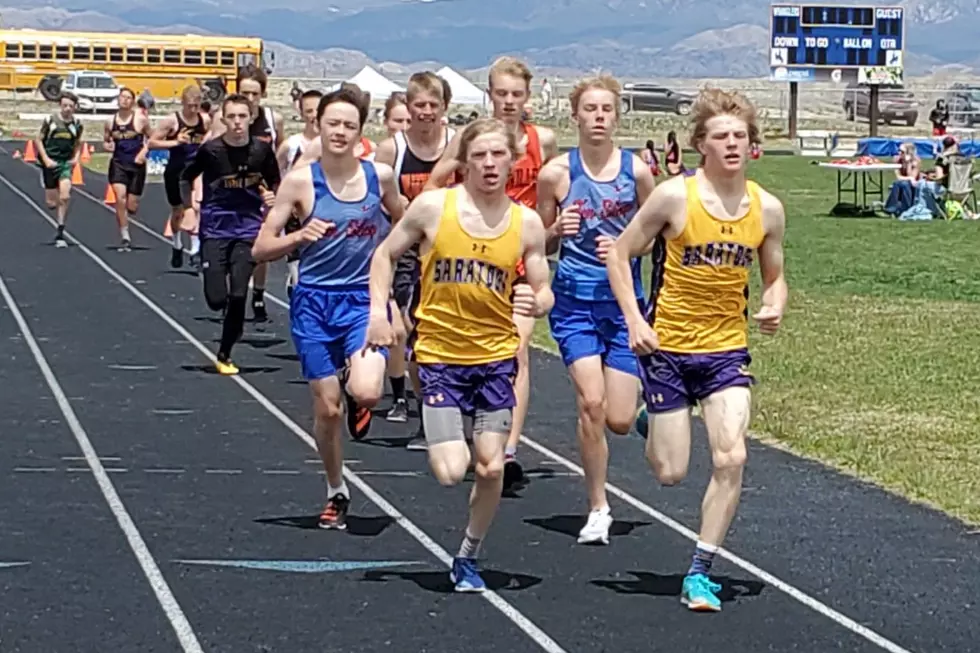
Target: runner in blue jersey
341,201
239,174
586,198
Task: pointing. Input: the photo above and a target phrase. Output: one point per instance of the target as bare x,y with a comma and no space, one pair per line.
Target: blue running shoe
642,422
466,576
700,594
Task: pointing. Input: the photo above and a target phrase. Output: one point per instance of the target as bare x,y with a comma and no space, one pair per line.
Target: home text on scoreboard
836,36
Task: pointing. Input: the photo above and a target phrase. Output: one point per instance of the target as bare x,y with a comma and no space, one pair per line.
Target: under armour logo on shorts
437,398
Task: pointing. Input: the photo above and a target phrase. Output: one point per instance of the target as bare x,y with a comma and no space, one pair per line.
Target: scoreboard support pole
794,106
873,110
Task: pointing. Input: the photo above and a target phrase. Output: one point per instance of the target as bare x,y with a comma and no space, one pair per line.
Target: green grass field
871,371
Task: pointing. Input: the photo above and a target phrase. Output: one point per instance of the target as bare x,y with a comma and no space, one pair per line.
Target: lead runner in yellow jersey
708,230
472,236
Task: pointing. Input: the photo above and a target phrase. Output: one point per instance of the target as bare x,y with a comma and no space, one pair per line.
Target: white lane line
183,629
821,608
797,594
541,638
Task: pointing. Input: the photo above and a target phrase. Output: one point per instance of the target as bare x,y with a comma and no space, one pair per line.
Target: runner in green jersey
58,147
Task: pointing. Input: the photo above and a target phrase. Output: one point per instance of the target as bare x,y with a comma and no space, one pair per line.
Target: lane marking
229,472
35,469
161,470
182,628
821,608
541,638
303,566
133,368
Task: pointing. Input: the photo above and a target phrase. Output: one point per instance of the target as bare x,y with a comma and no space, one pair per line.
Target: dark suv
894,104
963,102
651,97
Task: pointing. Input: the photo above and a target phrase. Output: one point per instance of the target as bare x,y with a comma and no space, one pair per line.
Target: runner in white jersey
290,152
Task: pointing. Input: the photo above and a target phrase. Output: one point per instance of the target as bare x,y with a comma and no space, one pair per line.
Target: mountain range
631,38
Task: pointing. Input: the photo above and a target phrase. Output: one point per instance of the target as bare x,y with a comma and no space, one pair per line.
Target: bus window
98,53
153,55
246,59
171,56
30,51
269,61
12,50
62,53
82,52
135,55
227,58
45,52
116,55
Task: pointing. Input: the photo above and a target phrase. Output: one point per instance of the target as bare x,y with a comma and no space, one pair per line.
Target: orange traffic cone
86,156
76,175
30,156
110,195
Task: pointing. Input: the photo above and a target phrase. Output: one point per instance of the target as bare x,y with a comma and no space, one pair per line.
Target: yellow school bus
163,63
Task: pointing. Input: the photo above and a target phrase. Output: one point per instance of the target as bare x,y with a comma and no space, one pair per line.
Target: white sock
195,244
334,491
124,232
176,240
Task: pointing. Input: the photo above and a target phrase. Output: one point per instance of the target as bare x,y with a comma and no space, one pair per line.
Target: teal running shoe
700,594
642,422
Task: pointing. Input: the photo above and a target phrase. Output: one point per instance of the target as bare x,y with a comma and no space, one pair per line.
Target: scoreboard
836,42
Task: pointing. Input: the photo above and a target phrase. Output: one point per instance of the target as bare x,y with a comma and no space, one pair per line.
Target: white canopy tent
371,81
464,91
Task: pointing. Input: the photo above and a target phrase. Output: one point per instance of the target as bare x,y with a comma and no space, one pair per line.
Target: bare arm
549,144
552,178
390,199
160,137
312,153
536,268
385,152
645,184
411,229
775,291
281,156
42,135
293,192
278,123
446,167
655,217
107,135
78,145
216,128
192,170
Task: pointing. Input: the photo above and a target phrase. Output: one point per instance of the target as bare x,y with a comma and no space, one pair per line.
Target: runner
708,228
340,198
127,137
239,174
510,90
182,133
471,236
58,145
413,154
291,151
267,125
598,187
397,119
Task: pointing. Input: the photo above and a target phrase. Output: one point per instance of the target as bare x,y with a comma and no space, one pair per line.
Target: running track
126,466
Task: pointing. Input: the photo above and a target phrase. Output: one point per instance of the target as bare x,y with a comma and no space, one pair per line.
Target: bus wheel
214,91
50,88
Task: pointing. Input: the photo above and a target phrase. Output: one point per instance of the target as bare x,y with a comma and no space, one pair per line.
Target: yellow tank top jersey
701,278
465,310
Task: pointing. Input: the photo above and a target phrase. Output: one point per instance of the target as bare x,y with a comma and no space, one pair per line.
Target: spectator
939,117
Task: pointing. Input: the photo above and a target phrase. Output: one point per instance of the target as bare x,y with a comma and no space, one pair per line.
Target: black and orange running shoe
334,515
